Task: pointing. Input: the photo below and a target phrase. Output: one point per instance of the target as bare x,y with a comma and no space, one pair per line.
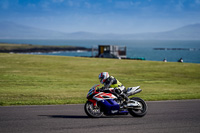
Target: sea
152,50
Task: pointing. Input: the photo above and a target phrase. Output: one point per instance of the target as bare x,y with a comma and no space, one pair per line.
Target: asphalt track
162,117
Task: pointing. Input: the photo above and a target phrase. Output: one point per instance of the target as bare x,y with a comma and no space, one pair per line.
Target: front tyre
92,111
138,111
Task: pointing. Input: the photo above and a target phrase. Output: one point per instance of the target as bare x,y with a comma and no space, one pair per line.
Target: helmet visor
101,80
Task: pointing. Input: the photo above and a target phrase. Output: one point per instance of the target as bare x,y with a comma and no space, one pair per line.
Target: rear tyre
91,111
138,111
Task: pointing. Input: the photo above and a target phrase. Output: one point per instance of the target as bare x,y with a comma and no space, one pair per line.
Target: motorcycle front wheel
92,111
138,111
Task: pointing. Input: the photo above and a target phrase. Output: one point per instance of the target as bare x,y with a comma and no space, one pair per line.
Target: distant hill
189,32
10,30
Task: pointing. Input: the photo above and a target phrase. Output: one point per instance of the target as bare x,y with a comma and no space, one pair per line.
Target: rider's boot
127,100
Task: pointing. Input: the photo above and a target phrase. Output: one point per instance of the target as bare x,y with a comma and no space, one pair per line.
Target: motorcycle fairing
101,96
109,106
92,91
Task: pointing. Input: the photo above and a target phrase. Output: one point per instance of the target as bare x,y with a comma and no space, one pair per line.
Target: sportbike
104,102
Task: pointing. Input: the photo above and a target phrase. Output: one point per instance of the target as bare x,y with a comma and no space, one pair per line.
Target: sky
102,16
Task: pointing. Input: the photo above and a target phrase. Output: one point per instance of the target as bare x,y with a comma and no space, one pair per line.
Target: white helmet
103,76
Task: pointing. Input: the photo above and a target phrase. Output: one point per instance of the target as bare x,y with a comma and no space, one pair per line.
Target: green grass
39,80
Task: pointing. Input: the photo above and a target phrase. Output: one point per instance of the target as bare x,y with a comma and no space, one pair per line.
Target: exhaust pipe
136,91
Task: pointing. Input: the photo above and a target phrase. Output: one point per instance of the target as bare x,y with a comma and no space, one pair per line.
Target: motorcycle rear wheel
138,112
91,111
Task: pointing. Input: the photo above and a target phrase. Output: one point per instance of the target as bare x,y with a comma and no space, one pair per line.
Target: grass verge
43,80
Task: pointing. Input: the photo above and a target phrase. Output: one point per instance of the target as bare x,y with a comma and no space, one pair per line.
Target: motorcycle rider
112,82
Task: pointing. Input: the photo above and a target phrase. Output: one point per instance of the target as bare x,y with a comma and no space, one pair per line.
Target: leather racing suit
119,89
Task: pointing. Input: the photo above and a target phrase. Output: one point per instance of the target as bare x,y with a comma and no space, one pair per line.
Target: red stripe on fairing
93,101
100,95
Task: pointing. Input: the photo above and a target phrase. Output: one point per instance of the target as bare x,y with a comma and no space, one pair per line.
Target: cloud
87,5
101,15
179,6
197,1
72,3
58,1
45,5
30,5
125,4
4,4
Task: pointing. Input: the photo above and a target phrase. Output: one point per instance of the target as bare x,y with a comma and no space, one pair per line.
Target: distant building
111,51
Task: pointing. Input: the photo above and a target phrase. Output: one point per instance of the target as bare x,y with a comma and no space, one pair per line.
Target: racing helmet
103,76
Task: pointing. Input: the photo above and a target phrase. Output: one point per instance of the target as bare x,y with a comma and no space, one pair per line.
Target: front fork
134,104
94,102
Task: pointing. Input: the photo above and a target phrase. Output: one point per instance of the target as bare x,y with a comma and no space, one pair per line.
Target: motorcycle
104,102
